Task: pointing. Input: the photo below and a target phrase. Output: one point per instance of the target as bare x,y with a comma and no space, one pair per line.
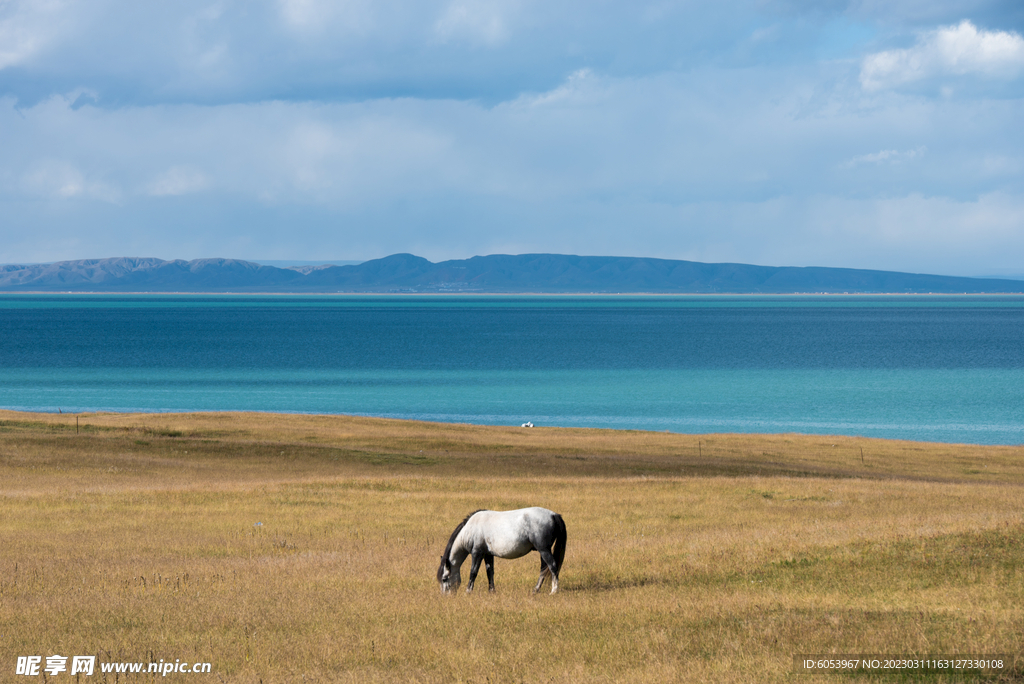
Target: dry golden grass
689,559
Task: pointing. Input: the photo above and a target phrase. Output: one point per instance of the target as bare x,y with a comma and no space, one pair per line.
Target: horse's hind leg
549,566
545,572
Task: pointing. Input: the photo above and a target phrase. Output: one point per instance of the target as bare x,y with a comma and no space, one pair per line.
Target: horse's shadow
605,584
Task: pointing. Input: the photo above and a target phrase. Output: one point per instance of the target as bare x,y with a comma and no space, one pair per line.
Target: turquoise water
927,368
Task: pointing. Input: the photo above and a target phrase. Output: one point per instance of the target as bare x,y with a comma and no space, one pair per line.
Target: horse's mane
451,541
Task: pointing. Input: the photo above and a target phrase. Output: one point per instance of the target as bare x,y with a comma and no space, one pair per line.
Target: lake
935,368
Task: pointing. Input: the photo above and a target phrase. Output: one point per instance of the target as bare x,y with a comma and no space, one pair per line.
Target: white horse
505,534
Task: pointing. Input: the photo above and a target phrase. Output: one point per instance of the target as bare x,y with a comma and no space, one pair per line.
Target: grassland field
283,548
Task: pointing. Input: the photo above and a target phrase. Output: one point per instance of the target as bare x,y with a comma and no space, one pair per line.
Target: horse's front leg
473,571
489,562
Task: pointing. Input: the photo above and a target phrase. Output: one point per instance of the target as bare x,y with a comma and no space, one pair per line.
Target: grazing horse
505,534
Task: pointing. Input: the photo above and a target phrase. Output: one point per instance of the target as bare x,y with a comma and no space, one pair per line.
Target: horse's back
507,534
511,534
533,517
535,513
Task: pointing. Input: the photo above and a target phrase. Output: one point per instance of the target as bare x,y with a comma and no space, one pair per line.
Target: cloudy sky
881,134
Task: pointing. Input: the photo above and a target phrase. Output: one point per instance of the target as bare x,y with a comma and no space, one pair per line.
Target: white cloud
911,233
951,50
887,157
304,13
178,180
1001,165
920,233
482,22
27,27
58,179
319,16
575,88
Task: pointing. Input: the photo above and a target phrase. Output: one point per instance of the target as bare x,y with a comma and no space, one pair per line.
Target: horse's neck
457,557
462,547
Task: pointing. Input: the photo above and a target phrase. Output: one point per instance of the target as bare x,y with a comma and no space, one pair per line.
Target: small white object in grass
527,424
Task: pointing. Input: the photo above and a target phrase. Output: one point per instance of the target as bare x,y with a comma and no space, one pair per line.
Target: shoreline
510,294
404,423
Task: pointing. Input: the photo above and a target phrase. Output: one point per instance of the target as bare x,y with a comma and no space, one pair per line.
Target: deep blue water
930,368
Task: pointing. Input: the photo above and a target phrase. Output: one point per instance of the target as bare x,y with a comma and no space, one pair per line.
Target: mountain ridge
496,273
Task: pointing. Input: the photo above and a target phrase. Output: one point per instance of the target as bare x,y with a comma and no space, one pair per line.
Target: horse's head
448,580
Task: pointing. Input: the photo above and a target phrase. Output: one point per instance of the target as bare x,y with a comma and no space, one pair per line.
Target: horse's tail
558,551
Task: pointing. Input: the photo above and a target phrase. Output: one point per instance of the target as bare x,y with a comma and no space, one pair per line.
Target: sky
881,134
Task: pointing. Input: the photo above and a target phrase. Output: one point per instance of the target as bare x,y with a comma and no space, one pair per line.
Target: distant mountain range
548,273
